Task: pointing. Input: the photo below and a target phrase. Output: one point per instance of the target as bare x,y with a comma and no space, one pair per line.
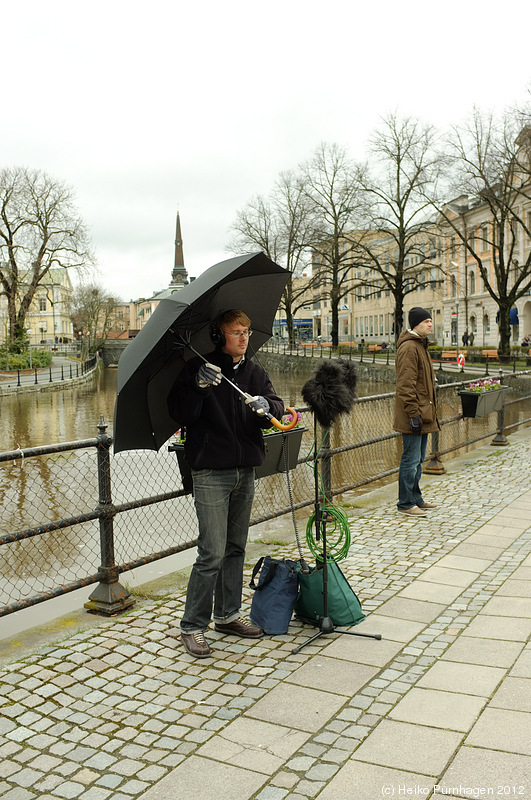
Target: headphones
217,335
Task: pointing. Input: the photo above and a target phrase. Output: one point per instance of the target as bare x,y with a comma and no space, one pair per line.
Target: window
42,304
453,284
472,282
453,248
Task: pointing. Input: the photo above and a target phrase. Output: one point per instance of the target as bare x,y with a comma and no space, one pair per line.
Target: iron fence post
109,597
435,465
500,439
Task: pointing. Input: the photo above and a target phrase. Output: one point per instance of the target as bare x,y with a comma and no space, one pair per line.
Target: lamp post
457,329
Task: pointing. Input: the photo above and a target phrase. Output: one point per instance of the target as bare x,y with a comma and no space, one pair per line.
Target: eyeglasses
239,334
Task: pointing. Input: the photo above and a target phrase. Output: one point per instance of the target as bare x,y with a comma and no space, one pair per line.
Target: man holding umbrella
223,445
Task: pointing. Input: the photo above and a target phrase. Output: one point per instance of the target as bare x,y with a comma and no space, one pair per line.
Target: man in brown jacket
415,413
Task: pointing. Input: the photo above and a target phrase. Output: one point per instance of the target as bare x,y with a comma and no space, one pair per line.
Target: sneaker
414,511
240,627
196,644
427,506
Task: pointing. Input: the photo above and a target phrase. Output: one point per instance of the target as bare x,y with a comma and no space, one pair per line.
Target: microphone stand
326,625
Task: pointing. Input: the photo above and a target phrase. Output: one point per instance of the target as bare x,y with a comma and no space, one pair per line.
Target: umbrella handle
290,425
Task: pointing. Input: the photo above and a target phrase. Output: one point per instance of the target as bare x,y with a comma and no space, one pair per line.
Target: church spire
179,275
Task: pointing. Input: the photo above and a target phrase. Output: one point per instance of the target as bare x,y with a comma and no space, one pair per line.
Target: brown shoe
427,506
240,627
414,511
196,644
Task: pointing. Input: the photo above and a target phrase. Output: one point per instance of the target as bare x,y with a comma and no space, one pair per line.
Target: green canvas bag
344,608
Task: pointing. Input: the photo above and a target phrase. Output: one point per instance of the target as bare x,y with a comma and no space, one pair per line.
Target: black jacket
221,431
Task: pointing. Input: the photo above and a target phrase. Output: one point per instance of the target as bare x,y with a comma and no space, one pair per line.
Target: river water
42,418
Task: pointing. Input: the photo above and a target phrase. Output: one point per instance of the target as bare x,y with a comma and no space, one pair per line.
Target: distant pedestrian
415,413
464,338
471,338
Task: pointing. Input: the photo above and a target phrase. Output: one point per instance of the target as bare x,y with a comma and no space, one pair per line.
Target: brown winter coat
415,384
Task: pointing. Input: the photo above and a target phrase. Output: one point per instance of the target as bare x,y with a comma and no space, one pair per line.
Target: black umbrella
180,329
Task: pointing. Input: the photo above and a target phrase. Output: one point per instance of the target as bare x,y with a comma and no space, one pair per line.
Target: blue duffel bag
275,594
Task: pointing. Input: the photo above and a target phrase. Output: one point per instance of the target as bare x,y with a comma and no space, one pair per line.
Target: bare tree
279,225
93,312
331,183
39,230
492,162
398,236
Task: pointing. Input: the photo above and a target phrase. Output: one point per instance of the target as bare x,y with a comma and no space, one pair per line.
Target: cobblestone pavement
440,706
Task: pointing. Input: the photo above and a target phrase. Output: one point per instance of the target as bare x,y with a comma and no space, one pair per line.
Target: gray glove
415,425
208,375
258,404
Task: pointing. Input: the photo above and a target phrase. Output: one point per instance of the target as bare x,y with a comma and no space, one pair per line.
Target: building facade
441,275
48,321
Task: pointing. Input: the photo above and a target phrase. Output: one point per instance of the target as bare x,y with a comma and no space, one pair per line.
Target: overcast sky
150,108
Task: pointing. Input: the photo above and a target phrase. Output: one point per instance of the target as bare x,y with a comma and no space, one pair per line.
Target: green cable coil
337,534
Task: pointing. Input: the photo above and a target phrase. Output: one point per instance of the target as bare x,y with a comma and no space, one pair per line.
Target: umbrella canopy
152,361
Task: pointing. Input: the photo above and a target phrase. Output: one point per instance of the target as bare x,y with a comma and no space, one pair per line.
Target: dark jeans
410,470
223,501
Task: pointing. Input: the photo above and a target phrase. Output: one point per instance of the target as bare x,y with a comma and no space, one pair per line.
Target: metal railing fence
74,514
374,354
51,374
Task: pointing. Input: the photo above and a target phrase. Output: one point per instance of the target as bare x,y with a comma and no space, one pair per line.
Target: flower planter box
480,404
274,455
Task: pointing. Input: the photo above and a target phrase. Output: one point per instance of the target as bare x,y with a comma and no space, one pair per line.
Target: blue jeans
223,501
410,470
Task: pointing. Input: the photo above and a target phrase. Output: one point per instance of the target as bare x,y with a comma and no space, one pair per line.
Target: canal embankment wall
58,382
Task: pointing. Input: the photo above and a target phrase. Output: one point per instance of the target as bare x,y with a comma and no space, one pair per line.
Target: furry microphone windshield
331,390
